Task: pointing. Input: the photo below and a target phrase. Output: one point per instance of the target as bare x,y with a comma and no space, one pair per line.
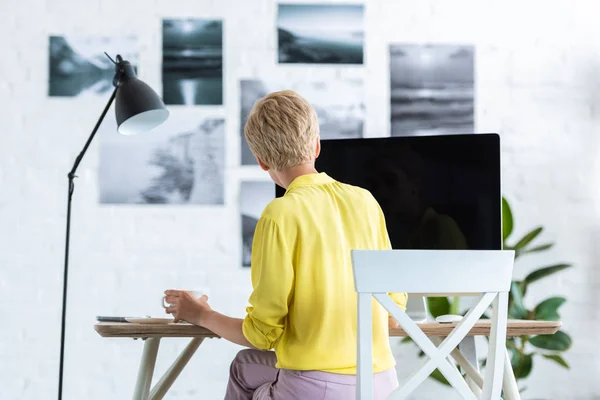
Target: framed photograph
432,89
339,103
320,33
79,67
254,197
180,162
192,69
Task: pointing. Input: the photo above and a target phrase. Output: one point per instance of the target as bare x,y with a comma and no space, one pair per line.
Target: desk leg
165,383
509,384
469,351
146,370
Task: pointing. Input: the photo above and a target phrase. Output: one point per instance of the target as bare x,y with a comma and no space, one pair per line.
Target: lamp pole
137,99
71,176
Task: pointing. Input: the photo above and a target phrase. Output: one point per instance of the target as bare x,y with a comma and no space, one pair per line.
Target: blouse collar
314,179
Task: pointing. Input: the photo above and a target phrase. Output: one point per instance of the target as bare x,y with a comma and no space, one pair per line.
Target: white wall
537,83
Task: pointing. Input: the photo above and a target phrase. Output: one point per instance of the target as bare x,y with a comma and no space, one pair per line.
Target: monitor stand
416,308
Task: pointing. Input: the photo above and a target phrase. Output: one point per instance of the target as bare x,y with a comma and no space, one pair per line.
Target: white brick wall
538,69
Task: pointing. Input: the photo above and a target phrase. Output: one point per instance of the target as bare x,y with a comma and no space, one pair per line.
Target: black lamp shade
137,107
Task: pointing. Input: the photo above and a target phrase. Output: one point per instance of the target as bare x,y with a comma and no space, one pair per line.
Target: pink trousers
253,376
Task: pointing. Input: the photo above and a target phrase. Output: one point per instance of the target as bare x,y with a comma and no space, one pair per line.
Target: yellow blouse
303,303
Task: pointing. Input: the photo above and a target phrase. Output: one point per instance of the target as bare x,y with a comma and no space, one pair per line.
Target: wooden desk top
481,328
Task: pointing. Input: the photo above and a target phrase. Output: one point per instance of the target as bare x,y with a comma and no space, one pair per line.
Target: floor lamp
138,109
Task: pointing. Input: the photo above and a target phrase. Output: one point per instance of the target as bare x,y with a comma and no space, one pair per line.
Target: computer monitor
436,192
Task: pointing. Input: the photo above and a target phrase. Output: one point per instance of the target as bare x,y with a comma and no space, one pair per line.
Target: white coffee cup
195,293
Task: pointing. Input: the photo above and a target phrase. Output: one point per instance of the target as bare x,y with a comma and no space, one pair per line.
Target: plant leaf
437,375
523,365
454,306
536,249
560,341
515,356
438,306
406,339
557,359
547,310
517,309
523,287
507,220
544,272
524,339
528,238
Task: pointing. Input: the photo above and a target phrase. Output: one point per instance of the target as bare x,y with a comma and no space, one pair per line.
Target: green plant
551,347
522,349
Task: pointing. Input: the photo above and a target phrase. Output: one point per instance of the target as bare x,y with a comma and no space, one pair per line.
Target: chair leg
509,385
469,351
468,366
146,370
494,373
364,364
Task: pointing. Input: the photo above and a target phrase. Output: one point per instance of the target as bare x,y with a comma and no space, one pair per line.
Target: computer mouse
448,318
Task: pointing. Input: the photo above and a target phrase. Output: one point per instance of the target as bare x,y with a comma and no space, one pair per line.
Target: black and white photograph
339,104
254,197
192,69
78,66
180,162
432,89
320,33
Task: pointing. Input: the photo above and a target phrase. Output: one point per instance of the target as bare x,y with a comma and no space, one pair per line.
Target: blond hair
282,130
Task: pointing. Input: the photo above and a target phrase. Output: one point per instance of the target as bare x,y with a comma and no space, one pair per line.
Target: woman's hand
185,307
392,322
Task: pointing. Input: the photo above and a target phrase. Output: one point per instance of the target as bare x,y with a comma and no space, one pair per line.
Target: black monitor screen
436,192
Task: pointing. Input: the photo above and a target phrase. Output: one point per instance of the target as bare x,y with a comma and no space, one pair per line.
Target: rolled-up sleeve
400,298
272,283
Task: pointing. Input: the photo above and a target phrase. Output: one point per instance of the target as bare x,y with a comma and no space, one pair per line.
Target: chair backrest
430,273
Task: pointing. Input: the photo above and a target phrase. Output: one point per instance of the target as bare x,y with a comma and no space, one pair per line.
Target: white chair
434,273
